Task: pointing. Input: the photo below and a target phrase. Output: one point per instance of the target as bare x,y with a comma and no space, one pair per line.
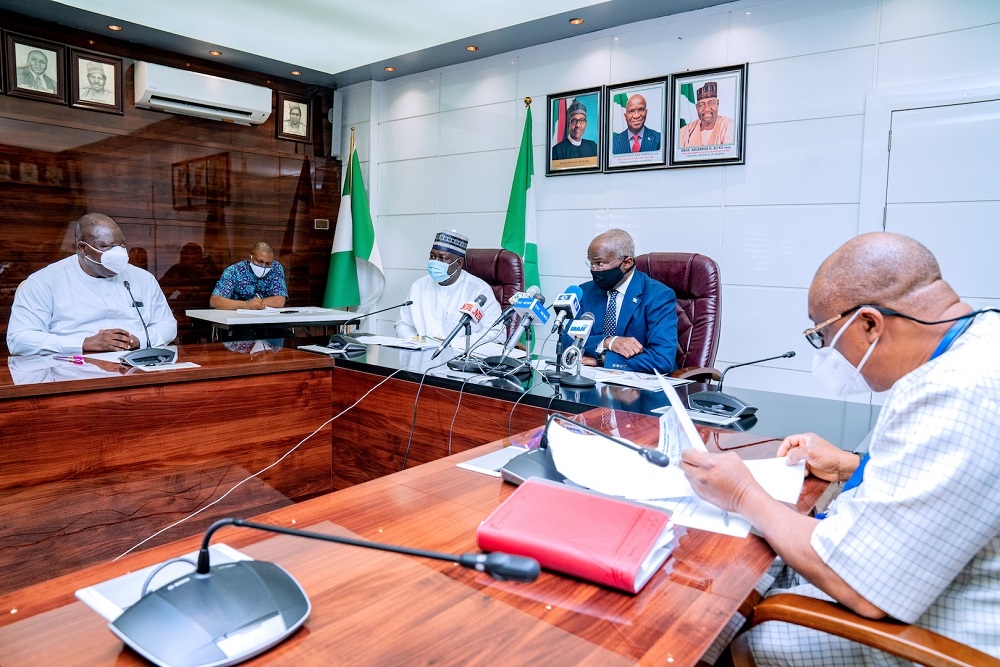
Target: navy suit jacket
649,314
650,142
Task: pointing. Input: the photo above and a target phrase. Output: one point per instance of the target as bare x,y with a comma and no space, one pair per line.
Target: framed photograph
637,115
294,121
574,133
709,117
34,68
95,82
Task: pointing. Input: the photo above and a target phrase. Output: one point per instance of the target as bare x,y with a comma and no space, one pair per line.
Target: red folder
580,533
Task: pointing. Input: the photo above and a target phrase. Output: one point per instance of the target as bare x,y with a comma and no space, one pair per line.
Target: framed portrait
294,121
95,82
709,117
637,115
34,68
574,130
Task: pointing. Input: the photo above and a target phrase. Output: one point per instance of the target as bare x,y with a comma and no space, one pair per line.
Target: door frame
879,105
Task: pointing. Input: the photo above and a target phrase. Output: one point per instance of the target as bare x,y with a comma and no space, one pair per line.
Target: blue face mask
438,270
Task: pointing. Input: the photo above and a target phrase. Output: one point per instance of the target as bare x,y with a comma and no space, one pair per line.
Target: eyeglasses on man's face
602,266
815,334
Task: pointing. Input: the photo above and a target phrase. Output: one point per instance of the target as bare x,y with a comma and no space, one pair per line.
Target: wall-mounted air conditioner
193,94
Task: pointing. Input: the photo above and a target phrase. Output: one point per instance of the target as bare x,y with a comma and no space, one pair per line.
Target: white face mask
833,369
260,271
113,259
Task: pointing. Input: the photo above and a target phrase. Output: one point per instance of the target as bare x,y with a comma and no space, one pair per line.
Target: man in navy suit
635,317
637,138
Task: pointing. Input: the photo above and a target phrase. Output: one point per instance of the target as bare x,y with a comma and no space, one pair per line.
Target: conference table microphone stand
465,363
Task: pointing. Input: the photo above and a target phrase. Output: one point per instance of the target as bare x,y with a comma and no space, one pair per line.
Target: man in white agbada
437,296
81,304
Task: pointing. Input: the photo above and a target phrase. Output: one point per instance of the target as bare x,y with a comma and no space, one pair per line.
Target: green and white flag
356,277
520,231
686,109
618,125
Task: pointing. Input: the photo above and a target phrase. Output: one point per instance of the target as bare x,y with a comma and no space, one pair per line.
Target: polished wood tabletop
375,608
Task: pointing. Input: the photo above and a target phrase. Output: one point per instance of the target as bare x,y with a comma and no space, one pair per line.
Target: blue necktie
611,315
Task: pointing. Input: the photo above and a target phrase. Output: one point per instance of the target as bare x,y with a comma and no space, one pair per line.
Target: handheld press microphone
509,310
717,403
566,306
578,329
470,311
150,356
530,309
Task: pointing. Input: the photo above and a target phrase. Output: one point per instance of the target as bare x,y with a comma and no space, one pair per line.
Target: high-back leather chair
502,270
696,282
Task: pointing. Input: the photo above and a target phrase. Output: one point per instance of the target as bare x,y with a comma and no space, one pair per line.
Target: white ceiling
329,36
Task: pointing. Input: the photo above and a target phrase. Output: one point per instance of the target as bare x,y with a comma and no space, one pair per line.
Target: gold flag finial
527,101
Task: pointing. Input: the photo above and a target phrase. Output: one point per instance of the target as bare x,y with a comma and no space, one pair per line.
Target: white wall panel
801,162
788,90
949,56
782,246
405,240
410,186
955,232
563,238
760,322
483,229
675,47
476,181
915,18
411,97
567,66
798,27
408,138
661,187
476,86
357,102
362,141
580,191
483,128
672,229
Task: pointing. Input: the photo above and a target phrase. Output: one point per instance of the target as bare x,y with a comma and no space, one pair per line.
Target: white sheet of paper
696,513
634,379
392,341
169,367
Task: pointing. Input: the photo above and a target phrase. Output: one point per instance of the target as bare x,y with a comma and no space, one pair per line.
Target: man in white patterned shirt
917,538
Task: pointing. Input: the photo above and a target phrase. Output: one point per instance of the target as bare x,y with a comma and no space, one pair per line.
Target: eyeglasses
815,336
601,266
637,110
577,121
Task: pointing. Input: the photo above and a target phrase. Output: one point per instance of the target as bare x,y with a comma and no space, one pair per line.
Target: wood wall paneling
192,195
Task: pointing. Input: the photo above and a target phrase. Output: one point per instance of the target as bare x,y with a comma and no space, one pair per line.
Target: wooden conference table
374,608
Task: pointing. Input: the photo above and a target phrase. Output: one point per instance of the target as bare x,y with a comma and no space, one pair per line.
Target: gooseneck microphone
357,320
228,613
725,405
150,356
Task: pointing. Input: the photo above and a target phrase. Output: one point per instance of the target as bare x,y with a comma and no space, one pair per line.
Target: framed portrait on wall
636,130
294,121
95,82
573,132
709,117
34,68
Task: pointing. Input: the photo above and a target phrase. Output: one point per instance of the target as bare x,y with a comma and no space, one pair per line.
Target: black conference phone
343,344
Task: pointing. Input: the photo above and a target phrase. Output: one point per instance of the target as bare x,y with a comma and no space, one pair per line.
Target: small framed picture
574,132
35,68
95,82
294,121
637,115
709,117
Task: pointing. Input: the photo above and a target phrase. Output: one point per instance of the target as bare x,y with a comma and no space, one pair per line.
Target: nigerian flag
520,233
686,109
356,277
620,100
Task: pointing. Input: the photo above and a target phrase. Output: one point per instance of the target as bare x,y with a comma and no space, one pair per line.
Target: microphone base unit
578,381
466,365
717,403
498,365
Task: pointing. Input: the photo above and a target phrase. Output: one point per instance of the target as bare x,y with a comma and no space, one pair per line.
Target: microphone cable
259,472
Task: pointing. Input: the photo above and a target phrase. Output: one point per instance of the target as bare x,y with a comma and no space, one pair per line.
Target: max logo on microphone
527,305
580,328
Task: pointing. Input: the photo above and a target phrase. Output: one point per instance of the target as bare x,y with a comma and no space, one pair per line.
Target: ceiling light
296,72
116,28
215,53
472,47
575,21
390,69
